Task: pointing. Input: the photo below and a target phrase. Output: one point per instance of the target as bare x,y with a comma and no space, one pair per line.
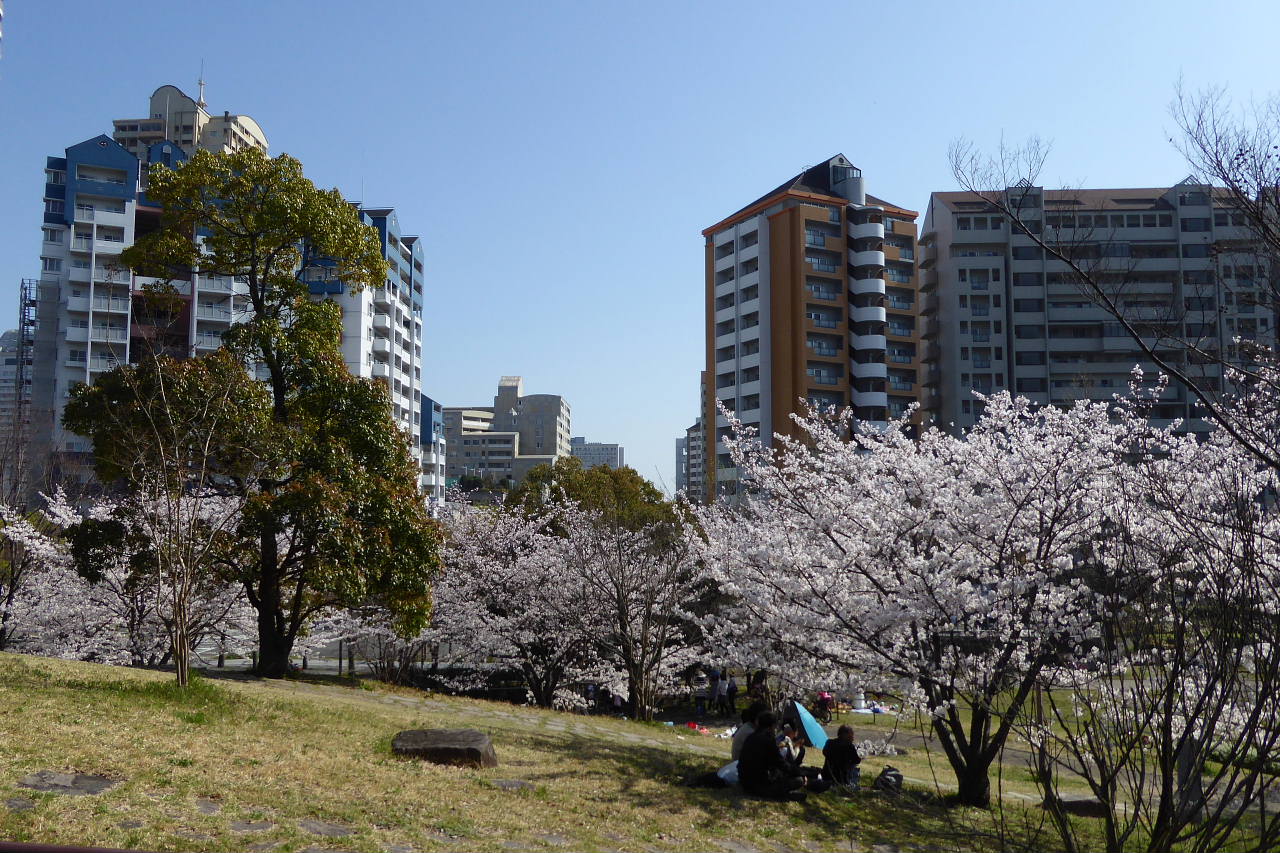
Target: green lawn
275,753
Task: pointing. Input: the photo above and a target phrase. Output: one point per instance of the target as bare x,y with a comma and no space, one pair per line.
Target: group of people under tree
770,761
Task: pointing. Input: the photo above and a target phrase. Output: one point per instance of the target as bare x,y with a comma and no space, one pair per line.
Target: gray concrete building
504,441
593,453
1178,261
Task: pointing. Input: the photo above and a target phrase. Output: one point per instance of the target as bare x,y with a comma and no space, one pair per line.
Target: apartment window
1029,358
55,176
962,223
964,301
1031,385
1199,303
750,347
1166,220
1027,253
1191,224
964,406
1197,277
52,235
1028,332
1027,279
51,265
1025,305
1199,330
54,205
1193,198
1195,250
964,353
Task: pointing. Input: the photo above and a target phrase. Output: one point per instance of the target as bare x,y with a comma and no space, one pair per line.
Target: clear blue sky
560,159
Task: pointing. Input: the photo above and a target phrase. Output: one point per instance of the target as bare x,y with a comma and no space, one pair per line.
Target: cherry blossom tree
514,594
943,569
1171,716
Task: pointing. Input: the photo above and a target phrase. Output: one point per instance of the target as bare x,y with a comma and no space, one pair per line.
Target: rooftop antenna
200,86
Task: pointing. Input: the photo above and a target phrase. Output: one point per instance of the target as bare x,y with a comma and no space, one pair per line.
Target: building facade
382,333
175,117
593,453
1178,261
504,441
812,294
93,313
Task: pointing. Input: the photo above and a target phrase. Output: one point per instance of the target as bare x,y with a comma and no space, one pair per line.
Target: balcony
897,384
216,285
900,357
868,314
867,230
900,330
213,312
382,322
110,333
901,304
823,351
870,258
870,370
865,286
825,322
111,305
980,311
981,337
872,399
208,341
824,379
382,346
867,342
381,370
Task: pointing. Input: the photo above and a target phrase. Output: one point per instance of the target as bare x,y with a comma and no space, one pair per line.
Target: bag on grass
889,780
729,773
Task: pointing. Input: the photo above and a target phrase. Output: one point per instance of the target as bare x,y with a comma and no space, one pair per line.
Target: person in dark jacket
842,759
761,768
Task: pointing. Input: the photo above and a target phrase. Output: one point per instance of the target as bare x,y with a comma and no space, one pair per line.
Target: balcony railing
825,322
901,304
981,337
980,311
901,357
829,352
902,331
824,378
901,384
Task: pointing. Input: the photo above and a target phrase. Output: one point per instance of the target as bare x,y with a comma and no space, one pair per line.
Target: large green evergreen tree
334,517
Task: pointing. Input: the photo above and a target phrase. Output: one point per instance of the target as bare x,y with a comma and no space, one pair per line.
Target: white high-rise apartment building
382,336
93,314
1179,261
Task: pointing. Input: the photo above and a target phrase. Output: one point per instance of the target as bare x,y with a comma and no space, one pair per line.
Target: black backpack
889,780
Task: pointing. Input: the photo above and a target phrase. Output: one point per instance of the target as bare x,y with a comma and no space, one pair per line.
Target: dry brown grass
286,751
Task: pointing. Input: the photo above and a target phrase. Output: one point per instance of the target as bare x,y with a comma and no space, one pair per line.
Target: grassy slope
281,752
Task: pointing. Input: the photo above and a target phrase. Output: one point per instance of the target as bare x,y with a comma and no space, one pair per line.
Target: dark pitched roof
815,179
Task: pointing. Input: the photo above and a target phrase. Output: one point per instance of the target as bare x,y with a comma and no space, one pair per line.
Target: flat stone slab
319,827
76,784
130,824
207,806
19,804
251,825
513,784
455,747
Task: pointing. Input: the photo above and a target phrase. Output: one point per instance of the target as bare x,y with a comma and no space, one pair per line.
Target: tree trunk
274,642
975,786
181,643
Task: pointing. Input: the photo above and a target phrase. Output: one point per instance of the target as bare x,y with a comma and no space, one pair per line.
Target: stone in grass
76,784
457,747
19,804
207,806
513,784
319,827
130,824
251,825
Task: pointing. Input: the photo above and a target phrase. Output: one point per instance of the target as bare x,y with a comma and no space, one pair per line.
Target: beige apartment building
504,441
812,294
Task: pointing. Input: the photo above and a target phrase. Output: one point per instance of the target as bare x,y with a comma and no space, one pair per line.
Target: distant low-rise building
593,453
503,442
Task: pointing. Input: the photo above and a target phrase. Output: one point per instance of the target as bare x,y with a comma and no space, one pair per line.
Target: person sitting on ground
761,768
744,731
842,759
791,746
